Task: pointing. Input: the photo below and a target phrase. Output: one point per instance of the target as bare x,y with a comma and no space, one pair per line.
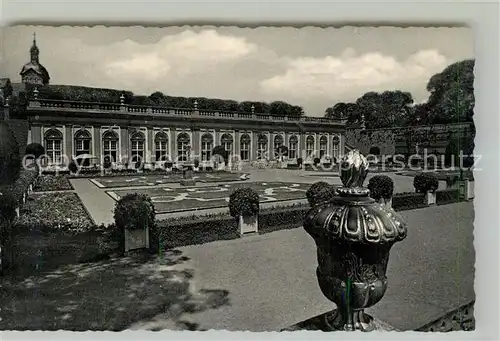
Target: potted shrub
320,192
428,184
300,161
107,165
382,189
135,216
196,164
244,205
316,161
169,165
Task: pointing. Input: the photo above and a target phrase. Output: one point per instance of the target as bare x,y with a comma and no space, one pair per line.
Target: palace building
124,132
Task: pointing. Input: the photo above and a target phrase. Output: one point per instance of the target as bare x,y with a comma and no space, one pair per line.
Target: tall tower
33,72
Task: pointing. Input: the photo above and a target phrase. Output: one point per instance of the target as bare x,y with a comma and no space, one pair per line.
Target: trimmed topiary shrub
134,211
10,160
316,161
381,187
320,192
196,163
35,149
426,182
300,161
244,202
73,167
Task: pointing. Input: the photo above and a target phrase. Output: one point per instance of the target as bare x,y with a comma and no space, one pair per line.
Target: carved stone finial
353,172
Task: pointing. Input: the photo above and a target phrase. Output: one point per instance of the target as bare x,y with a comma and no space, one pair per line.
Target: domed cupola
33,72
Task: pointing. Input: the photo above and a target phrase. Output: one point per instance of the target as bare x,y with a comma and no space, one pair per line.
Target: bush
219,150
381,186
425,182
316,161
300,161
320,192
134,211
35,149
8,205
408,201
244,202
10,160
196,163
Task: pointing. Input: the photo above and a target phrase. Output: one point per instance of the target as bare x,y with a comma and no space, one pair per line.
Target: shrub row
50,182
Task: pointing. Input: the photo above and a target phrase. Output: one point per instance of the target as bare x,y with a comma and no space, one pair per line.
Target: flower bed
49,182
60,211
91,173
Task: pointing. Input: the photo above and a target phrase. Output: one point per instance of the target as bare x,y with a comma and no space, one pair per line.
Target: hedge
408,201
447,196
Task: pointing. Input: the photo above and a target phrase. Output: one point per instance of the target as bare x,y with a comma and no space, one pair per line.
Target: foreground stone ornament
353,235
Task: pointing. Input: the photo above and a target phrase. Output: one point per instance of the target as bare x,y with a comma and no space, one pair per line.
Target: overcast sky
311,67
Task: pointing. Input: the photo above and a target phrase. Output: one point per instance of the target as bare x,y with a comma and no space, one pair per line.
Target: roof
38,68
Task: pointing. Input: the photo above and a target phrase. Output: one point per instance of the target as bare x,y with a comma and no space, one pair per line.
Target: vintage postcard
241,179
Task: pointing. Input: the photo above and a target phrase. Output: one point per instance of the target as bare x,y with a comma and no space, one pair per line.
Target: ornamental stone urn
354,235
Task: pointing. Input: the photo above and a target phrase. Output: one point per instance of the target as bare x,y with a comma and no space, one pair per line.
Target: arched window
207,144
53,146
227,142
278,142
309,146
183,142
161,146
83,140
137,139
323,145
292,146
110,145
245,147
262,148
336,146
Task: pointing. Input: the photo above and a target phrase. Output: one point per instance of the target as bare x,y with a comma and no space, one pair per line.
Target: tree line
101,95
451,100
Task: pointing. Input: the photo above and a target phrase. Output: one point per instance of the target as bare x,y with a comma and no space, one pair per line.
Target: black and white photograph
264,179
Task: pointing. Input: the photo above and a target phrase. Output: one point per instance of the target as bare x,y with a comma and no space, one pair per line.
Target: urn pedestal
354,235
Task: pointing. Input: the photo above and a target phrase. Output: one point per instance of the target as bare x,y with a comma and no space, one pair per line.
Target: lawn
153,180
169,200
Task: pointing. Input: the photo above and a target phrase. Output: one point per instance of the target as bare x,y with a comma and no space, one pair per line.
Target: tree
10,160
451,96
386,109
35,149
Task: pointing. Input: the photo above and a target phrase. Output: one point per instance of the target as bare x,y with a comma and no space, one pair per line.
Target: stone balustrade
37,104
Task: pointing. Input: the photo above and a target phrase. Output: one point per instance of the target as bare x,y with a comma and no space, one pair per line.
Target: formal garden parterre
168,199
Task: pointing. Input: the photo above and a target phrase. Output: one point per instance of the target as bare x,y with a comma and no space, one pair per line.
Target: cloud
184,53
351,75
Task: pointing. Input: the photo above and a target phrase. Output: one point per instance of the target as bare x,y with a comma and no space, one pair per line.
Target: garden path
99,205
272,283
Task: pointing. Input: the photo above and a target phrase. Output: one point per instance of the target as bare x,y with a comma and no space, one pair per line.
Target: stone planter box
386,202
136,239
430,198
470,189
248,225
